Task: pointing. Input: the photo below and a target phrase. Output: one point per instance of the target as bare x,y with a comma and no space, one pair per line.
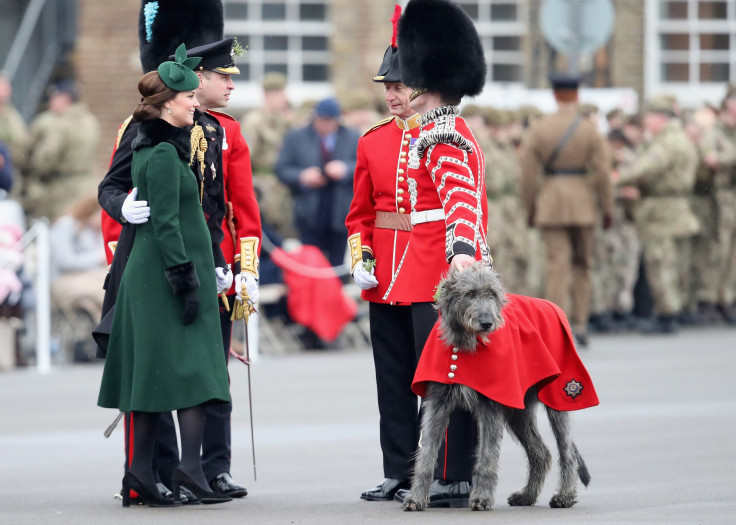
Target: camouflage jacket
721,141
664,171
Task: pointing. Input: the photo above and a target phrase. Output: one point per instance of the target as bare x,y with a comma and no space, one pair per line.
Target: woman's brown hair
154,94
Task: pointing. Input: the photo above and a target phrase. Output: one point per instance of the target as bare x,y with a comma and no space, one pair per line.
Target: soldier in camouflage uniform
507,227
718,147
63,145
604,243
622,242
264,129
664,173
13,129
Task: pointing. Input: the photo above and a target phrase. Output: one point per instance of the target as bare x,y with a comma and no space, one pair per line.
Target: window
288,36
690,44
501,27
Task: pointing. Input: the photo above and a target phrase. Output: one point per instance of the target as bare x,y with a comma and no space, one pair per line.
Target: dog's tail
582,467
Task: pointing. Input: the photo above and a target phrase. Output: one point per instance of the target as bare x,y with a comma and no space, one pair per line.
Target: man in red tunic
442,59
379,224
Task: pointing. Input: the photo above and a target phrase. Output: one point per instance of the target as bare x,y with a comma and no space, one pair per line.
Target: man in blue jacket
317,162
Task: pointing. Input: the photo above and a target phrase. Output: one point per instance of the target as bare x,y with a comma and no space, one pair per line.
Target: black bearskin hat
440,50
164,24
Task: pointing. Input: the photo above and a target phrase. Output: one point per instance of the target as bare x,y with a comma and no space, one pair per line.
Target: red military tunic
446,172
238,177
380,184
533,347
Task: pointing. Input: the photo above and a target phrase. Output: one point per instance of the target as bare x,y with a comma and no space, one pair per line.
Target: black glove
184,283
191,307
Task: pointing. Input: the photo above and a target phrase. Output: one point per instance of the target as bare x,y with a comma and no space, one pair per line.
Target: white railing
38,236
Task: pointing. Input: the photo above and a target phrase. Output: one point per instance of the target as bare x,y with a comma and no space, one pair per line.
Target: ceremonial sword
248,248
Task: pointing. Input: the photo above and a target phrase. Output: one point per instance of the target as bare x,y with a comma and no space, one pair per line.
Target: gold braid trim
198,147
122,129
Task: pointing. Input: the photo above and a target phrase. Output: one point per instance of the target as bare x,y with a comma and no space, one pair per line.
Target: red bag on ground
315,297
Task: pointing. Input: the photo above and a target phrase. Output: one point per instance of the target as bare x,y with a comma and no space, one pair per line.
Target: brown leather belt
393,221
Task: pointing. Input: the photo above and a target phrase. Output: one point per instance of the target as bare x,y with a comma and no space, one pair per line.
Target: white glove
133,211
251,286
224,279
363,278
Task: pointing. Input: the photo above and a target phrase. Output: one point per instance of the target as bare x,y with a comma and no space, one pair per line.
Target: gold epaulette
379,124
122,129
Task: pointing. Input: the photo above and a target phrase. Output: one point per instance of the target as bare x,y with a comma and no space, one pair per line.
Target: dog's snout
486,325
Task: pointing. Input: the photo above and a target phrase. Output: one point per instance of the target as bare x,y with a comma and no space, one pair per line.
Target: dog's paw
481,503
563,501
411,505
521,499
480,499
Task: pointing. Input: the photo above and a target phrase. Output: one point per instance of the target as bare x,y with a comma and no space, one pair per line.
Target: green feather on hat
178,74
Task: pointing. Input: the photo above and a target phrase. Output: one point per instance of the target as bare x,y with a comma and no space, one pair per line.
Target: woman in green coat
165,349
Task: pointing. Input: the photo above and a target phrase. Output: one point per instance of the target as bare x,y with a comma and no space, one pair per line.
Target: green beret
660,104
274,81
588,109
472,110
496,117
178,74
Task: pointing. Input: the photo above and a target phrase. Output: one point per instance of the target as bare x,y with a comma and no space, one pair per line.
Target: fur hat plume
164,24
440,50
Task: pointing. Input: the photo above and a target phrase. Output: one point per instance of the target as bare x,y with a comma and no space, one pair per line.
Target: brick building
685,47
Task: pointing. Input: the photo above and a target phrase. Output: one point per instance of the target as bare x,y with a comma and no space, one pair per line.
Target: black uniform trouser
216,444
398,335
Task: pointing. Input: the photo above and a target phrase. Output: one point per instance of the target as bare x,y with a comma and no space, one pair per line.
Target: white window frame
488,29
249,93
692,93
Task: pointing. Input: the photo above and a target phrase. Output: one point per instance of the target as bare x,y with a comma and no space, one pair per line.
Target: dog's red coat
534,347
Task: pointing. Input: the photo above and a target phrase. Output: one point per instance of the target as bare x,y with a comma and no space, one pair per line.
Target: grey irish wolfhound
470,303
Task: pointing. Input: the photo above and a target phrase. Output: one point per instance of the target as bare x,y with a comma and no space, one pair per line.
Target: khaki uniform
264,132
565,203
664,172
60,163
719,281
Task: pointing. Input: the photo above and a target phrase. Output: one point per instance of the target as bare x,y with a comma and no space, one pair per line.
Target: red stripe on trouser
444,468
130,432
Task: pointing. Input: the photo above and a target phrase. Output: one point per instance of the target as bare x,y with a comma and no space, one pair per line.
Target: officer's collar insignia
210,128
573,388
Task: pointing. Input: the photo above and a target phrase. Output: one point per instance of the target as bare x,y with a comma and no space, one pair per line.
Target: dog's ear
445,289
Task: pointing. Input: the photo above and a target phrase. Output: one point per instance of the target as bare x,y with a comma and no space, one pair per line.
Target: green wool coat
154,362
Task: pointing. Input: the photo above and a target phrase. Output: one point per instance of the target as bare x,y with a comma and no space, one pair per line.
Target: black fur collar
157,130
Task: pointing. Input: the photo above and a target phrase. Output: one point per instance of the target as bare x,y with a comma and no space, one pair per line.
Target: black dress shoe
385,491
224,484
442,494
181,479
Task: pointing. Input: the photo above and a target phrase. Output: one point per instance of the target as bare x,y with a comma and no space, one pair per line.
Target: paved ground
660,447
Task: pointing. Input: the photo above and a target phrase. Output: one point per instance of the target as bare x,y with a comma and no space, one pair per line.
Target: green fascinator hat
177,74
